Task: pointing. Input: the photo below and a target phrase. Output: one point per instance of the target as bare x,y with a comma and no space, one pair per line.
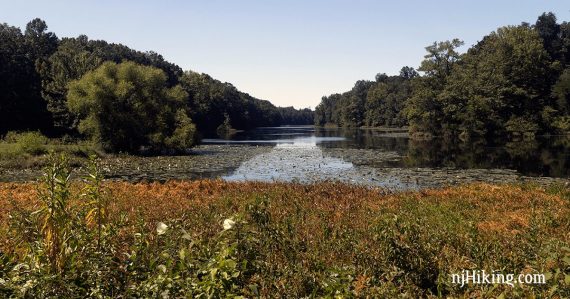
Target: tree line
514,82
123,98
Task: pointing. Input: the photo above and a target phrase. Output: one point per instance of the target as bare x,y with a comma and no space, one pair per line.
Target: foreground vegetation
514,82
217,239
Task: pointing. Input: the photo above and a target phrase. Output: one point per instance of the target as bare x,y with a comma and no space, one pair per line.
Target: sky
288,52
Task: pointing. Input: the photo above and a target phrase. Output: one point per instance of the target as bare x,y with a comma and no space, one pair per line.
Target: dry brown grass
315,230
504,209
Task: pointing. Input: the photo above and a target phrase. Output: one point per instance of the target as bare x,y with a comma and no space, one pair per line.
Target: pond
388,158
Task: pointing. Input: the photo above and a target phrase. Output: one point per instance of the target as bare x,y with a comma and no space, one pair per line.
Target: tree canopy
127,106
514,82
21,104
369,103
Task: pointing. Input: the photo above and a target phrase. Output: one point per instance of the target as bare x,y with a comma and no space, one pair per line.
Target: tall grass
213,239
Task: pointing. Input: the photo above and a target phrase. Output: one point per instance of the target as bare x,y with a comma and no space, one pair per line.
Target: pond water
371,156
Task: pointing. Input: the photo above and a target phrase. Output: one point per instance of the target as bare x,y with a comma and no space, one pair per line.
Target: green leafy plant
33,143
56,219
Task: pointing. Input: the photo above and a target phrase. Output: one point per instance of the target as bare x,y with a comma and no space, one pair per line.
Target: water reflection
302,160
541,157
545,156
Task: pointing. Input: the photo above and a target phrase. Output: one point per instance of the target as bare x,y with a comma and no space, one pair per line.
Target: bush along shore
214,239
18,164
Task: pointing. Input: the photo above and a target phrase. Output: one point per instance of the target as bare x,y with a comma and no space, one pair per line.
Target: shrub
128,107
28,142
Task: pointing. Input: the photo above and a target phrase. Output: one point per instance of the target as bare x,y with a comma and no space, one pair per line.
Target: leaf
186,235
162,268
230,264
90,216
213,272
548,275
254,289
37,211
553,289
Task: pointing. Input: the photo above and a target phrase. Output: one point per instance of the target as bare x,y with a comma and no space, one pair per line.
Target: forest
514,82
79,88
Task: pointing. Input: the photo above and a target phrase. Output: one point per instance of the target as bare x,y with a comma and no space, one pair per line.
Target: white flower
161,228
229,223
162,268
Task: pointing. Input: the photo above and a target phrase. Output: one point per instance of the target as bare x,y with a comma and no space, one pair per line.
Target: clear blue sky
289,52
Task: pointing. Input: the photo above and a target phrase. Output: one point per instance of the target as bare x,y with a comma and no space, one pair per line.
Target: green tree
561,91
387,97
424,110
440,59
211,100
549,31
40,45
353,104
500,85
408,73
41,42
327,112
70,62
510,83
21,105
127,107
565,44
76,56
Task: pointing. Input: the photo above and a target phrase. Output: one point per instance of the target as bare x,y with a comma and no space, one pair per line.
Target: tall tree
565,44
424,110
70,62
21,105
441,58
352,113
549,31
41,42
408,73
128,106
387,98
499,86
561,90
